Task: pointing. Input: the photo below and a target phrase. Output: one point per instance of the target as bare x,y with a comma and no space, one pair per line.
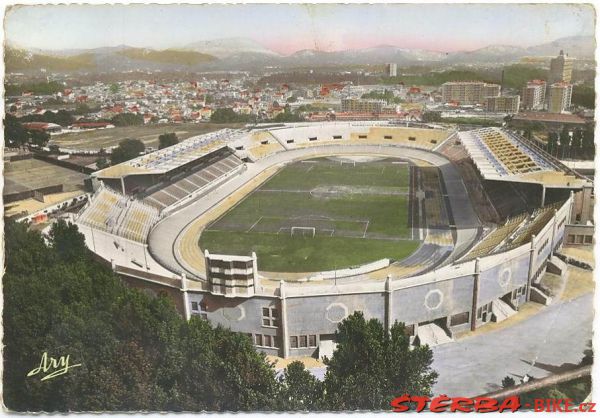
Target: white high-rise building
391,69
533,95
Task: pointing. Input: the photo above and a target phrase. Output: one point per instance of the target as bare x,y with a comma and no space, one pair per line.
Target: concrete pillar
554,223
543,195
585,205
113,265
284,327
123,184
476,274
186,297
530,271
207,267
255,282
570,217
388,303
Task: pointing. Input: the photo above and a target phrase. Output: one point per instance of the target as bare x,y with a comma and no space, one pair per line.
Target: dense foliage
135,352
227,115
386,95
584,96
41,88
515,76
166,140
572,143
61,117
16,135
127,150
370,366
127,119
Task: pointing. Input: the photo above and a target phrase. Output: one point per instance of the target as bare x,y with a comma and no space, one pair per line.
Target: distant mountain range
244,54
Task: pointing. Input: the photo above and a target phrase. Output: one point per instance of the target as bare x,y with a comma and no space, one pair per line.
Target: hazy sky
288,28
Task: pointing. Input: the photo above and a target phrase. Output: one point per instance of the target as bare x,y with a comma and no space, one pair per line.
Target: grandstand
503,155
303,135
516,232
187,183
120,215
170,158
496,237
537,221
257,145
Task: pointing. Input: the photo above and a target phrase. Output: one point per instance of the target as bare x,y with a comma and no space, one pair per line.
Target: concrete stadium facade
300,317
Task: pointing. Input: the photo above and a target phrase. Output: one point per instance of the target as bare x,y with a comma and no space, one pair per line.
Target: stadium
281,231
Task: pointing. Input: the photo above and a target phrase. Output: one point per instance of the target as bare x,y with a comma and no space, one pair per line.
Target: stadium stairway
501,310
432,335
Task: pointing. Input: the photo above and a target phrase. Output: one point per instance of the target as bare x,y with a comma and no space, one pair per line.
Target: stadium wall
121,251
441,296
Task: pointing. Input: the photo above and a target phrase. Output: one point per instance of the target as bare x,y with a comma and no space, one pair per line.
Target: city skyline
286,29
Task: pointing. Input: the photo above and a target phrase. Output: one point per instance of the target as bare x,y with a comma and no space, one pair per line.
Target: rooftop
502,155
167,159
549,117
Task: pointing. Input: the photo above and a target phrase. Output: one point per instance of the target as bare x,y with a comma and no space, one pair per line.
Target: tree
565,142
577,144
552,144
136,352
127,150
39,138
101,163
431,117
300,390
287,116
584,96
62,117
589,147
371,366
508,382
166,140
82,109
67,241
127,119
227,115
114,88
14,133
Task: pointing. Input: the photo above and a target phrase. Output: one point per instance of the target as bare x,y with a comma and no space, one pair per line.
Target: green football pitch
321,214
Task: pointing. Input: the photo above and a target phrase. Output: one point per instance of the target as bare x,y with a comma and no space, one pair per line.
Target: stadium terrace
281,231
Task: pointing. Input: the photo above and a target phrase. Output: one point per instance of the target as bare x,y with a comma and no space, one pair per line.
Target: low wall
352,271
64,163
28,194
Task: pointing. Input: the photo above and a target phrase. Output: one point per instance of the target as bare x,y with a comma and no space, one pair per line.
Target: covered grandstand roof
502,155
167,159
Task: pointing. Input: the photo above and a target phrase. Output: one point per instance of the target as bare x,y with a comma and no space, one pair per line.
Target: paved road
557,336
164,235
554,337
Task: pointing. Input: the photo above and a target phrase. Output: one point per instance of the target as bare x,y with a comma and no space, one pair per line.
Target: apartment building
533,95
362,105
559,97
503,104
468,92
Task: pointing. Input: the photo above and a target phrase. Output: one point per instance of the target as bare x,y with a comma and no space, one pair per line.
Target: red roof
35,126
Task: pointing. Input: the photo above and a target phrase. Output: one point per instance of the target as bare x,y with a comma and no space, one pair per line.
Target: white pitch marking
254,224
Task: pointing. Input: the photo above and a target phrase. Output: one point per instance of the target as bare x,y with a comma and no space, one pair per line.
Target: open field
320,215
148,134
20,176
